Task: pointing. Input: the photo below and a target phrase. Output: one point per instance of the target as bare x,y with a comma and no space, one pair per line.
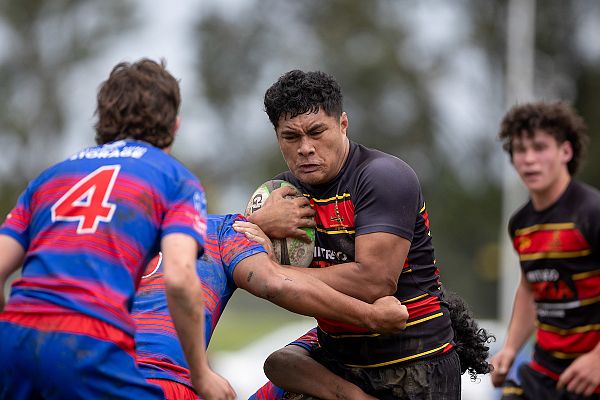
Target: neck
544,199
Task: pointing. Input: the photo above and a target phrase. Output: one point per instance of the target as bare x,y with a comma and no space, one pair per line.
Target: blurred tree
42,43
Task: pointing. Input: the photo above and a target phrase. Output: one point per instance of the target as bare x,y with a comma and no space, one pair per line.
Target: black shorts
535,385
435,378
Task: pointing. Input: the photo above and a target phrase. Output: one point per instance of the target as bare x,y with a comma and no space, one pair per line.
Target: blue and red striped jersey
91,223
159,353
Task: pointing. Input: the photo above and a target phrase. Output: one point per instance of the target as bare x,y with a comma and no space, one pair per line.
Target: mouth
308,168
531,175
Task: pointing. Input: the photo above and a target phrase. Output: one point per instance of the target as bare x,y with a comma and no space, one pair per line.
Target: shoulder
377,164
519,217
587,195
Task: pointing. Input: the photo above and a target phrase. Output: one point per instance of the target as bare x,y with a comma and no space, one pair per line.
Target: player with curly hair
557,237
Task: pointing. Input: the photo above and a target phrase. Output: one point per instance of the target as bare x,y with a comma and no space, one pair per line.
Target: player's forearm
187,312
522,323
353,280
12,257
303,294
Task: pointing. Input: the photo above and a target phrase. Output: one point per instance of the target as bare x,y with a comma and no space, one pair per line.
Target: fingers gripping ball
288,251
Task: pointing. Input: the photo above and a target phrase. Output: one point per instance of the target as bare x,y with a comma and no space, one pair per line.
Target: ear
176,125
344,122
566,151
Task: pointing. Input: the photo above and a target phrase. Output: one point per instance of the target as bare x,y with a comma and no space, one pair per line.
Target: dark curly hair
471,341
297,92
138,101
557,119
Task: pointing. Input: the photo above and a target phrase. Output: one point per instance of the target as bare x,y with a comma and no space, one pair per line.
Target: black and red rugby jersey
377,192
559,252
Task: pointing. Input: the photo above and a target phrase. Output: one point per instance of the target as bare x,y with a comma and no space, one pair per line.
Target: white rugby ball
288,251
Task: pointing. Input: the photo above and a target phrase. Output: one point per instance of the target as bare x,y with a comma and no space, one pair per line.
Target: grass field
245,319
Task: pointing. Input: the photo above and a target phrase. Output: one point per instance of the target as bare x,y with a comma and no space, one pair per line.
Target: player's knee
278,361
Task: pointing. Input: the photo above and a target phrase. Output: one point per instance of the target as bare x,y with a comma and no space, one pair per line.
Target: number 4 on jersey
87,201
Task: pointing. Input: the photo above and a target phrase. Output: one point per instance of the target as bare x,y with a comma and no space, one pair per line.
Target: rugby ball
288,251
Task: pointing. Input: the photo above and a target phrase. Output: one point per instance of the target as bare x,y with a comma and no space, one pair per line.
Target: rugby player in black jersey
372,240
557,237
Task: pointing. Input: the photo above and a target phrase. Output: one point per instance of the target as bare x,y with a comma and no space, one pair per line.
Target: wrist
370,317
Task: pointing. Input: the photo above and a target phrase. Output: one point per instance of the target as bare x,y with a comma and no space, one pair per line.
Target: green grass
247,318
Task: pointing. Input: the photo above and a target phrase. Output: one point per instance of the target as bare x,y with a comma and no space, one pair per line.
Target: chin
310,179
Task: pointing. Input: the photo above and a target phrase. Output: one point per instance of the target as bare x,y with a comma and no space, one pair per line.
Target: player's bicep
12,255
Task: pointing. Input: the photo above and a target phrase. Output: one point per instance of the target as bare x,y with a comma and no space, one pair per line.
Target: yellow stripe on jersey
512,390
577,329
415,298
565,356
418,321
591,300
336,197
553,254
583,275
336,231
422,209
545,227
399,360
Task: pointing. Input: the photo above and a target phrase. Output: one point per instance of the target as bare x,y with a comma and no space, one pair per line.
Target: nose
306,147
529,156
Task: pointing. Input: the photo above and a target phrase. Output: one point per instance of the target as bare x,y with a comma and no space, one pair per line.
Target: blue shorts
64,365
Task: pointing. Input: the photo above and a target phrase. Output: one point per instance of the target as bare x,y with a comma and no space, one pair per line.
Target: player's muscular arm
379,261
187,311
12,257
521,327
303,294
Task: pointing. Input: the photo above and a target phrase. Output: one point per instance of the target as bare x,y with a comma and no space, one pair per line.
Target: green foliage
46,41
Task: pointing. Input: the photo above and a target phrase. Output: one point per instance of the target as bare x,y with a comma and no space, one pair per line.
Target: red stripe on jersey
100,243
112,302
537,367
588,287
155,323
334,215
68,322
557,240
425,216
542,370
211,299
570,343
178,369
18,219
422,307
330,326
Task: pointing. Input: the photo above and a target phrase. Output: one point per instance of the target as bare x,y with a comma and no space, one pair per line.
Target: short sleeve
235,247
17,222
186,211
388,198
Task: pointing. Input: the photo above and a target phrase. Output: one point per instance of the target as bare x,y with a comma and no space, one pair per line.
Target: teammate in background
84,230
233,260
557,237
373,240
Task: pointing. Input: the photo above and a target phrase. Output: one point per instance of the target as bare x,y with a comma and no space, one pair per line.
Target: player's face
314,145
541,161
